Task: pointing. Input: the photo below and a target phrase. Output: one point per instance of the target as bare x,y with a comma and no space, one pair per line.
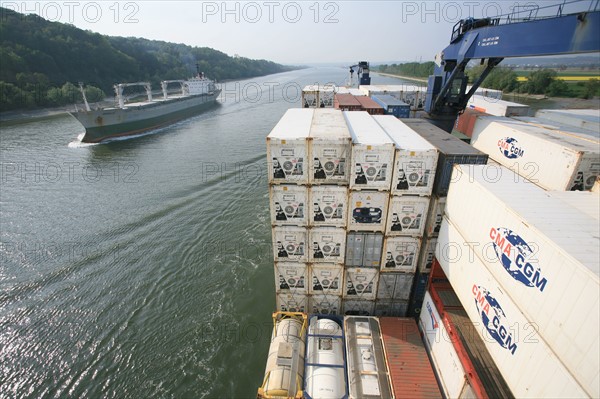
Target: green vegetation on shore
41,62
413,69
540,81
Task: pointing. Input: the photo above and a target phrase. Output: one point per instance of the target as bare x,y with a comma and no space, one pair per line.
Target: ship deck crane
492,40
362,73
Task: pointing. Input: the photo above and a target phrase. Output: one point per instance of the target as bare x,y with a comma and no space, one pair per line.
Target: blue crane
492,40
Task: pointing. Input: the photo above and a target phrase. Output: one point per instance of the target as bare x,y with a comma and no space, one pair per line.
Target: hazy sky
300,32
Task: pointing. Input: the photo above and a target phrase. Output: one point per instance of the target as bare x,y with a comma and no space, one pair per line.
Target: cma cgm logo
434,322
493,318
514,253
510,148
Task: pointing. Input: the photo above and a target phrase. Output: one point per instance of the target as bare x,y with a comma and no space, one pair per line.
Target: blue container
392,105
418,294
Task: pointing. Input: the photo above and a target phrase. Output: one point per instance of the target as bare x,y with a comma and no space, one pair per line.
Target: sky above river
290,32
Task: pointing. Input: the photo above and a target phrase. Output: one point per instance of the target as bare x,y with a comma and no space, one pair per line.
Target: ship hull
135,119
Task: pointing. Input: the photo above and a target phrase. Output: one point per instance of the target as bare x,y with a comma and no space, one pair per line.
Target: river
142,267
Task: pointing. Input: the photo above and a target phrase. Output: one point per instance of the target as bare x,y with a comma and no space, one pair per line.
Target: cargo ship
437,241
126,119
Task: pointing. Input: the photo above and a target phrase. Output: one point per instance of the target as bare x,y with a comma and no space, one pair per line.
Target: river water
142,267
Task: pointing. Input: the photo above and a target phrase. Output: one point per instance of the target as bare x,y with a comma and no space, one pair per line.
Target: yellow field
565,78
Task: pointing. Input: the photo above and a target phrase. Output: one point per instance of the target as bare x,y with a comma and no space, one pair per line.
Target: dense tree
538,82
38,57
557,88
413,69
501,78
591,88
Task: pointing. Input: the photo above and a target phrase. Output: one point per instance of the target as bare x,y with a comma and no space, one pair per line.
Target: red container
346,102
410,371
481,371
370,105
466,121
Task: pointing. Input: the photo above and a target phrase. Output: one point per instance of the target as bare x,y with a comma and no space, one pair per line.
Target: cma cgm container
415,161
369,105
451,151
287,147
497,107
552,161
372,153
367,211
392,106
541,253
411,374
588,119
363,249
585,201
483,379
289,205
366,364
328,206
519,345
346,102
561,128
330,148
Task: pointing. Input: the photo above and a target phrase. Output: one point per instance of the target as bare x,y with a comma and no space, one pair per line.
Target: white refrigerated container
372,153
287,147
415,160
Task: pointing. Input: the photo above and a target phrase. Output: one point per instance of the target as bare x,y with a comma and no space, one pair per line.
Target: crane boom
488,39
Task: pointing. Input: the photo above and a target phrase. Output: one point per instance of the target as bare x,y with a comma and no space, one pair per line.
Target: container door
354,249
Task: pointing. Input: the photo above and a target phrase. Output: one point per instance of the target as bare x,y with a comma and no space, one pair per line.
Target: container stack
413,175
524,265
309,208
288,171
329,147
451,150
370,179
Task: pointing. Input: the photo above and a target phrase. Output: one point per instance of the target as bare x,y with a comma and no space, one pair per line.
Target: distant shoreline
422,80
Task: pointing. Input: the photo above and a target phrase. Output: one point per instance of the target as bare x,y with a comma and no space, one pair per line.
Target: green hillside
41,60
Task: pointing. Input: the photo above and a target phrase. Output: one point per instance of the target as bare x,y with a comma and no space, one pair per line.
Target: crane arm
487,39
